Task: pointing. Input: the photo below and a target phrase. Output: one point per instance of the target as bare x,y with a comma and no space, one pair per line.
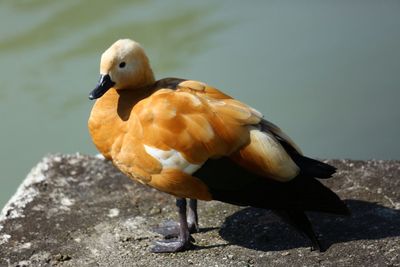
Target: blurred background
327,72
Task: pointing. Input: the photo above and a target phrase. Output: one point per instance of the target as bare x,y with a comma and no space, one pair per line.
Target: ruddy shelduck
190,140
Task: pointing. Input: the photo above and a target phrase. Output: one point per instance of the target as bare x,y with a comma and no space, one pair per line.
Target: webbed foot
182,241
171,229
171,245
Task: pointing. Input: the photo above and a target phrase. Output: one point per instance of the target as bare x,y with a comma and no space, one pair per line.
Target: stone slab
76,210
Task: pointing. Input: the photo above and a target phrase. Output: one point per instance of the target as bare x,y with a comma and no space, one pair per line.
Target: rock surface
75,210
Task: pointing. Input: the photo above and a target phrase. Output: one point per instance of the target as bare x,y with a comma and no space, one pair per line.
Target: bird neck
110,116
142,78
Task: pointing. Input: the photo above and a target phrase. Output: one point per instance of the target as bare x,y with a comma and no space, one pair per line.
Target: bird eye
122,64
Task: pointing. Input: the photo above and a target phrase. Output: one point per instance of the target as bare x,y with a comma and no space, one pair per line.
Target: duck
194,142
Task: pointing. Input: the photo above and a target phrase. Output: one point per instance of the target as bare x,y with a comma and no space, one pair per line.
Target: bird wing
185,127
198,122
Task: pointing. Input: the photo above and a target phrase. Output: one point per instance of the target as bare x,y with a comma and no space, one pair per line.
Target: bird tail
301,194
300,221
290,201
313,168
229,182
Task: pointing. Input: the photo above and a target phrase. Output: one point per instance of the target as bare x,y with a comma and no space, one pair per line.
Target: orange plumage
194,119
162,133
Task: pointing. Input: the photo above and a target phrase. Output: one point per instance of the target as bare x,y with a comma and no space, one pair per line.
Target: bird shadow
263,230
207,229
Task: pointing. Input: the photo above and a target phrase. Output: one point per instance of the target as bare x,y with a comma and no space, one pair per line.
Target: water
326,72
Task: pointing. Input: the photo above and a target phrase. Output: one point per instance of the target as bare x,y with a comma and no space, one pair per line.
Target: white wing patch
172,159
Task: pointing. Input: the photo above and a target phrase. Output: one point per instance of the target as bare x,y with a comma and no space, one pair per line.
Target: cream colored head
123,66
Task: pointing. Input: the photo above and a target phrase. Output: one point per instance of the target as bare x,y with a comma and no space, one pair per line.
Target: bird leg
193,219
171,229
183,241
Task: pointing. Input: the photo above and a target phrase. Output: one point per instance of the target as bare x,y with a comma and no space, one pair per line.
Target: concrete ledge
75,210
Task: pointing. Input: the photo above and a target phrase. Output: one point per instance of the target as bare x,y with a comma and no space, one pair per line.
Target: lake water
327,72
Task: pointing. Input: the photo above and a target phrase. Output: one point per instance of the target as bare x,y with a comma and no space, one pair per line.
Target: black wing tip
299,220
231,183
325,171
314,168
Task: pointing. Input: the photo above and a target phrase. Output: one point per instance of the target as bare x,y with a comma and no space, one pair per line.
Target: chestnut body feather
194,119
188,139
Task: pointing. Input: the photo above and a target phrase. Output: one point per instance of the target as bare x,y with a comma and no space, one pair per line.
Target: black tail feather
228,182
313,168
308,166
306,194
299,220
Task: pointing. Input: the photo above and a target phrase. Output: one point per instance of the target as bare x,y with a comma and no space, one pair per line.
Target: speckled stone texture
75,210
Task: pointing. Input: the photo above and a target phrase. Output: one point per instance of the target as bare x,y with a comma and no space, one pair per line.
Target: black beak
102,86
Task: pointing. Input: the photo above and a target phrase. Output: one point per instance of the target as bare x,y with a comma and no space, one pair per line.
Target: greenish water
327,72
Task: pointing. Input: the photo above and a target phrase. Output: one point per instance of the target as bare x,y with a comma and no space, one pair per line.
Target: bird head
124,65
